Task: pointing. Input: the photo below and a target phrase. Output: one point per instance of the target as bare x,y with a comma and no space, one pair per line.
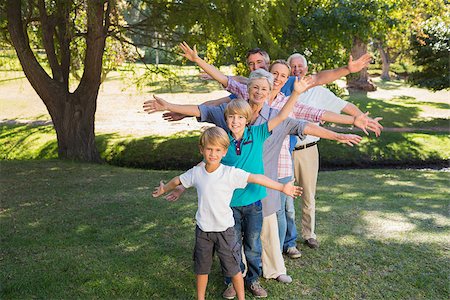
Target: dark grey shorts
224,244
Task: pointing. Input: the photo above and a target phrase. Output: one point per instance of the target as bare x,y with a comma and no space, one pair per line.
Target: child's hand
349,139
302,85
291,190
175,194
159,190
189,53
158,104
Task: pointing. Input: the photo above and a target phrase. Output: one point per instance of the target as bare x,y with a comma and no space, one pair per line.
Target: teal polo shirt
247,154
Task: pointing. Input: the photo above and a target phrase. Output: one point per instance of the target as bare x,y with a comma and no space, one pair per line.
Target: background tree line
83,39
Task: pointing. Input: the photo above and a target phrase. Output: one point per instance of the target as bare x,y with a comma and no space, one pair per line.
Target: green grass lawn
83,231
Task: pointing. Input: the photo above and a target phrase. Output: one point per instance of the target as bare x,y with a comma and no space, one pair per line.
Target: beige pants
306,168
272,258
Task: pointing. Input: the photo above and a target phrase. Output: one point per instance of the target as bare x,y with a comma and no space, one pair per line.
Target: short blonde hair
214,136
239,107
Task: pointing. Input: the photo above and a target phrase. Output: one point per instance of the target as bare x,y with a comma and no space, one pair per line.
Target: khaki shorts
224,244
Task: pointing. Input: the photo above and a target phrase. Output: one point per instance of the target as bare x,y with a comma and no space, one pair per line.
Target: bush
432,49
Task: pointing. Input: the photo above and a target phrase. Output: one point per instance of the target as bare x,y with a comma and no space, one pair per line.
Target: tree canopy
83,39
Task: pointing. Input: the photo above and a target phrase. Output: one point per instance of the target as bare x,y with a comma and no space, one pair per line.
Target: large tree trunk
72,113
361,80
385,63
74,124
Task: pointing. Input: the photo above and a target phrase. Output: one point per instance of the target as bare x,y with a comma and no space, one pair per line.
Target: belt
305,146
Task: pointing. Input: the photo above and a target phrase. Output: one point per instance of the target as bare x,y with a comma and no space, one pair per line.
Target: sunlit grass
93,231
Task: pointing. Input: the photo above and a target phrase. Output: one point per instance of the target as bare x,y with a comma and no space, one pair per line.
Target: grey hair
260,74
263,53
297,55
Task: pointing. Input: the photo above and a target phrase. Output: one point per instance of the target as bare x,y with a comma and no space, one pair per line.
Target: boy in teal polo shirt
246,152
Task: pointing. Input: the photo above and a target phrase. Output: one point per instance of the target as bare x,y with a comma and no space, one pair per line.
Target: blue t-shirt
288,87
287,90
247,154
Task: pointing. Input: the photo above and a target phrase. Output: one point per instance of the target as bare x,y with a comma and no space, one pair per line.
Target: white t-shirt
322,98
214,191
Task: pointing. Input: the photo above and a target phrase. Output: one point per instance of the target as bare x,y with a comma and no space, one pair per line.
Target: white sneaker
284,278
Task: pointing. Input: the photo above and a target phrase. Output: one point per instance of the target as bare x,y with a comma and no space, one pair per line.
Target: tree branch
48,31
38,78
64,38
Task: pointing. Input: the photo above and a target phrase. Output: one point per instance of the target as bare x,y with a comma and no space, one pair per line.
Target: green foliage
25,142
9,60
155,74
432,54
86,231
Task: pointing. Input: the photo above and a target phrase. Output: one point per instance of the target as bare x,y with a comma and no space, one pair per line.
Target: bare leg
202,281
238,283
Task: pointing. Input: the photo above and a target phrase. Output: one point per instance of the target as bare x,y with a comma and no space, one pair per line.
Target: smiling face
258,91
213,154
256,61
298,67
236,123
280,74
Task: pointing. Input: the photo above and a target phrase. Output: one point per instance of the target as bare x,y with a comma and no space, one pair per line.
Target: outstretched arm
192,55
159,104
349,139
372,124
163,188
173,116
288,188
360,121
300,86
217,102
328,76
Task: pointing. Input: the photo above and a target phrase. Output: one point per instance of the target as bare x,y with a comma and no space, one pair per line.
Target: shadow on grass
389,85
89,231
398,115
180,151
391,149
439,105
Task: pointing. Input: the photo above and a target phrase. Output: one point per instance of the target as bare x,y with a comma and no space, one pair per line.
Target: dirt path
120,111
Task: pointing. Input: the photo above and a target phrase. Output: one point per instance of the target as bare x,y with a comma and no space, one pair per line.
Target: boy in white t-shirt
215,185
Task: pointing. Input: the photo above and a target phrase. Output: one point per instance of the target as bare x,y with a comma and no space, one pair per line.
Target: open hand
173,116
291,190
359,64
159,190
303,84
158,104
362,122
189,53
375,126
349,139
